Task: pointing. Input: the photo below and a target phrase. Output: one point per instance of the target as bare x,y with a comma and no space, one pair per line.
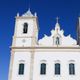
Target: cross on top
57,19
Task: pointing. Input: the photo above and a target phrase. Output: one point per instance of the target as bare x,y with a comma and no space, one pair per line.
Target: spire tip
57,19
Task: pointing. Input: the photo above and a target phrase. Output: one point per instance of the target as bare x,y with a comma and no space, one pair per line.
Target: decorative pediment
28,14
64,40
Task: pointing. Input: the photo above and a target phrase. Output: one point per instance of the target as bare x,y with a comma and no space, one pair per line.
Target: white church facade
55,57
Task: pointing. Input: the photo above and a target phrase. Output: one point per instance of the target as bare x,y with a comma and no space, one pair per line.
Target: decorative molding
57,61
51,51
43,61
21,61
71,61
45,47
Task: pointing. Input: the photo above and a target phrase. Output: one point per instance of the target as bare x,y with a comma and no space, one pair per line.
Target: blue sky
47,10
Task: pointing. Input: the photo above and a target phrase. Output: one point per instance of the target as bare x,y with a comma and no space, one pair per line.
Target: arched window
57,69
25,28
21,69
43,69
71,69
57,41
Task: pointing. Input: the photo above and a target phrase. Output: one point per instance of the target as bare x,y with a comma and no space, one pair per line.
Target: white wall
19,27
51,57
20,57
19,42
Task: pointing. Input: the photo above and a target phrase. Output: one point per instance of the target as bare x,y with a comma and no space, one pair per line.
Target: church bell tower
26,30
25,37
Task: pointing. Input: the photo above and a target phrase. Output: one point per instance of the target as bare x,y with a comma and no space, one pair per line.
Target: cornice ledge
44,47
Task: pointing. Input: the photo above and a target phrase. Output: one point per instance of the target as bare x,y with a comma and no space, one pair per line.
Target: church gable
58,38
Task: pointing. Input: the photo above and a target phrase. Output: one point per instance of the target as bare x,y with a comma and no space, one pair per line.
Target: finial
17,14
29,8
57,26
57,19
35,14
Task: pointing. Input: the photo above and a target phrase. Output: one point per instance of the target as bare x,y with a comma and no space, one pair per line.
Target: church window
25,28
21,69
57,69
71,69
57,41
43,69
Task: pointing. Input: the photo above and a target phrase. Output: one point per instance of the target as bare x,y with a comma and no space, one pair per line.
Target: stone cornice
45,47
